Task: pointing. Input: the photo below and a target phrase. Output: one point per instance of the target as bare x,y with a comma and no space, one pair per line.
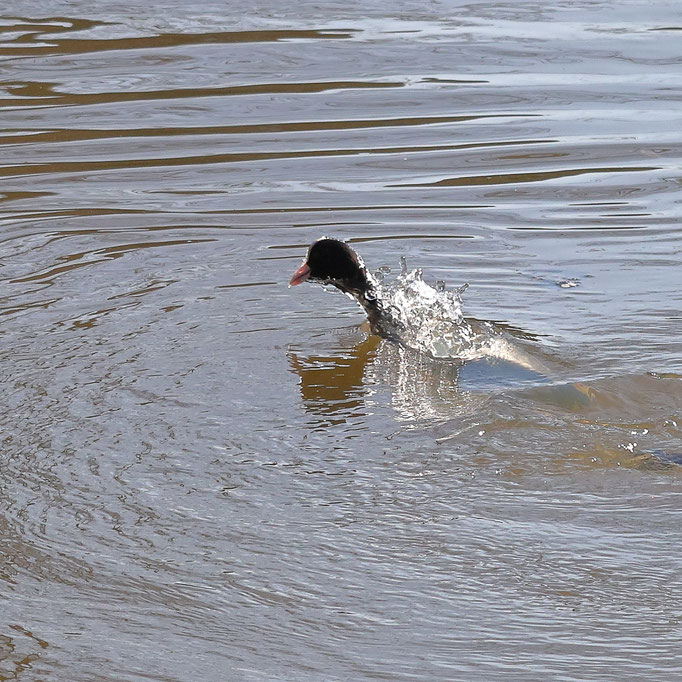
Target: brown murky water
206,475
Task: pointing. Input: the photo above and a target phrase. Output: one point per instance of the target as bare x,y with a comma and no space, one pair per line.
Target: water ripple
197,459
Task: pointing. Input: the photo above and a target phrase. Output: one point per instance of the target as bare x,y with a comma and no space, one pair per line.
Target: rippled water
206,475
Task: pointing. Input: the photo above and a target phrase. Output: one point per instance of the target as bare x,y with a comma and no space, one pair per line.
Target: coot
331,261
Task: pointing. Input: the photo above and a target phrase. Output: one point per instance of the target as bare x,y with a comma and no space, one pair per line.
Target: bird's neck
365,293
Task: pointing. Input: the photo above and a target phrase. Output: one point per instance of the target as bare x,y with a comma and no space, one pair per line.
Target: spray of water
430,320
422,317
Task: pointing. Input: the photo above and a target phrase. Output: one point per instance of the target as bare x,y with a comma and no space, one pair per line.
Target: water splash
422,317
430,320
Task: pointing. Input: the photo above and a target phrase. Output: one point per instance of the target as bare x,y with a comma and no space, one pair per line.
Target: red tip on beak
301,275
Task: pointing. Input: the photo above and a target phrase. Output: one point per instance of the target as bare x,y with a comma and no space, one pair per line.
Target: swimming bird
413,314
331,261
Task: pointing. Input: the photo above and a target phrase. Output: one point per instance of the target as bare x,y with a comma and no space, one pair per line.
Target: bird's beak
301,275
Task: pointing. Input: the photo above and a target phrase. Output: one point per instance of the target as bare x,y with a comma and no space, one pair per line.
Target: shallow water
206,475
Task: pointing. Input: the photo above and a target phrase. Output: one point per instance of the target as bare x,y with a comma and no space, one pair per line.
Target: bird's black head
331,261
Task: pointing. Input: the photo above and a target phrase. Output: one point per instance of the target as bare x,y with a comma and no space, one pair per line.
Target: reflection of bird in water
334,385
339,387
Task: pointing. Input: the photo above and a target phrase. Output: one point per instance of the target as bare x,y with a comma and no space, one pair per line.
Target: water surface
206,475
